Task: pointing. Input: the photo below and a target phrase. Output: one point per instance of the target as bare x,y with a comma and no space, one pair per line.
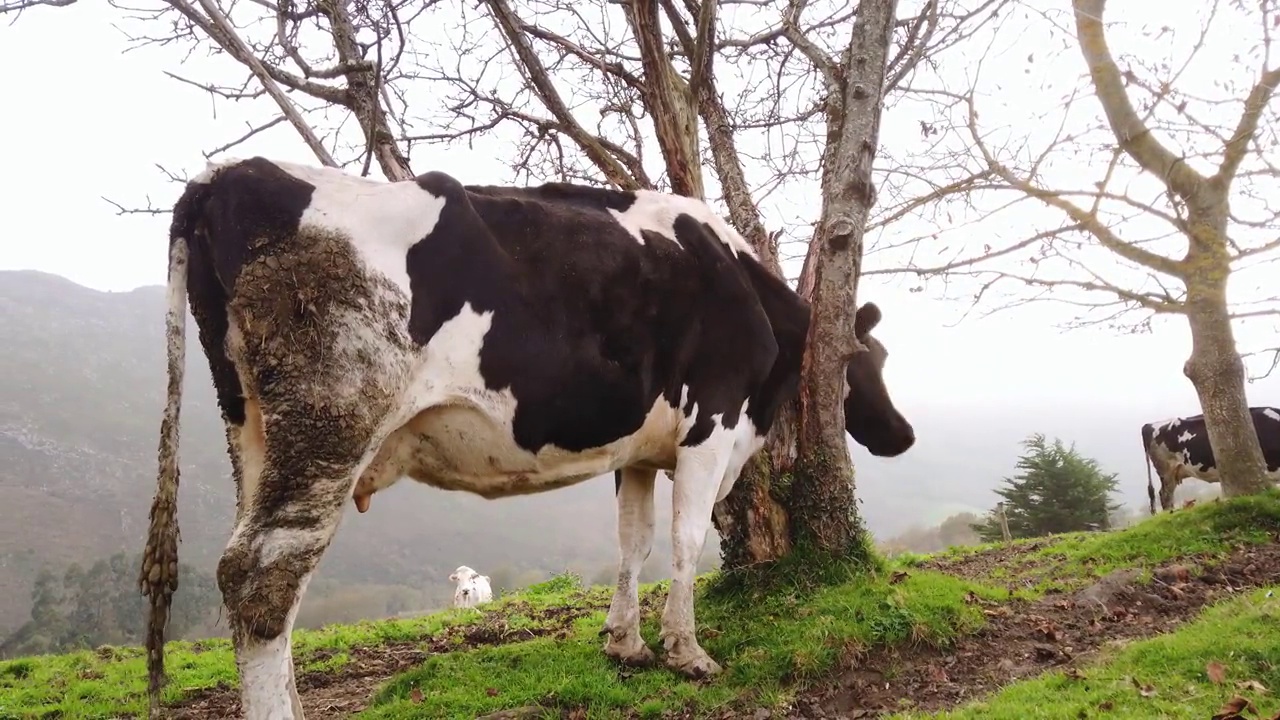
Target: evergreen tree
1056,490
102,605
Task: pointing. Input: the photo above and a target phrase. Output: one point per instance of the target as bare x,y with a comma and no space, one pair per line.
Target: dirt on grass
341,693
1023,639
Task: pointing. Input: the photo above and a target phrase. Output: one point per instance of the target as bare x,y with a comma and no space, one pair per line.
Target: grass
111,681
1163,677
770,643
1068,561
766,646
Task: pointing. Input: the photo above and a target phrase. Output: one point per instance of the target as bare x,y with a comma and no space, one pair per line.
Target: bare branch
252,131
1132,133
1246,128
1271,360
509,25
704,47
217,27
670,101
17,6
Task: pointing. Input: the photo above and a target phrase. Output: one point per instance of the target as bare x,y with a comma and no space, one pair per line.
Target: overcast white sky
83,120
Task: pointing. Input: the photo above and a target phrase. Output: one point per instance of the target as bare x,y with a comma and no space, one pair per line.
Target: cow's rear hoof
631,651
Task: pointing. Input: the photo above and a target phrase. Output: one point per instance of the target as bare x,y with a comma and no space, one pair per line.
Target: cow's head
869,413
462,574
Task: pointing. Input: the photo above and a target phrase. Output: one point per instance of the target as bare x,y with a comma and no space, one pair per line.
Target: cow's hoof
694,665
630,651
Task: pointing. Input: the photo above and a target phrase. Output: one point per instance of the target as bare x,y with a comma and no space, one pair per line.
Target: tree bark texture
1215,367
753,520
670,102
822,492
363,95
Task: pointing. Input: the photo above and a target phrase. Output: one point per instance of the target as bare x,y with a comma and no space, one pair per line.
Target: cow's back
604,321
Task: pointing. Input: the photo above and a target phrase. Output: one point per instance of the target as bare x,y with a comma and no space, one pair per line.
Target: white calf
472,587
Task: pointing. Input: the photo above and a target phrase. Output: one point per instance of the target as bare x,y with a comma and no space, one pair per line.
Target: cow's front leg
279,539
635,541
696,483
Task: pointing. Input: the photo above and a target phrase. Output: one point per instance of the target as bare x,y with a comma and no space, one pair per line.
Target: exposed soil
342,693
1021,639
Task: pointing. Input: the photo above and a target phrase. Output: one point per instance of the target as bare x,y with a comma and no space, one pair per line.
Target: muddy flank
341,693
1023,639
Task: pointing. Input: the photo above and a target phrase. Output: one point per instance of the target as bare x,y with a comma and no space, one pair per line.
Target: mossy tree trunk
1215,367
822,492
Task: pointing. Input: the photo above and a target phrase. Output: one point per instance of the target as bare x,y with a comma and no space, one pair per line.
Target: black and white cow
1179,449
500,341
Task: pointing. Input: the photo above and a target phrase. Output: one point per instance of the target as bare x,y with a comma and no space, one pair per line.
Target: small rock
1172,574
1105,590
1044,651
1153,600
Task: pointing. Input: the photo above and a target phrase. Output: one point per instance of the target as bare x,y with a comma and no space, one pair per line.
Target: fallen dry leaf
1216,672
1252,686
1106,705
1073,673
1143,690
898,576
491,692
1049,630
415,696
1233,708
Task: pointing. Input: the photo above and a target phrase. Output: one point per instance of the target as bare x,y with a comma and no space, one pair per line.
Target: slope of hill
79,416
1036,620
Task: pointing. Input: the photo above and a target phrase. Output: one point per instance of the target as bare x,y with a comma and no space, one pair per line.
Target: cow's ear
453,577
866,320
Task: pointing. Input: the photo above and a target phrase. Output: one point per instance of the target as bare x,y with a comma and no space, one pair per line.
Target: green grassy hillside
931,633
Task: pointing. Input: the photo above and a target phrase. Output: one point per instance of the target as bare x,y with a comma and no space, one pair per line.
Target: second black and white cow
499,341
1179,449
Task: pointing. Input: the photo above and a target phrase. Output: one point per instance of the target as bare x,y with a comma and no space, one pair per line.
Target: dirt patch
989,564
329,695
1023,639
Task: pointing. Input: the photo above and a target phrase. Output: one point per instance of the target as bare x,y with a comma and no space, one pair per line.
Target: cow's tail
159,577
1147,434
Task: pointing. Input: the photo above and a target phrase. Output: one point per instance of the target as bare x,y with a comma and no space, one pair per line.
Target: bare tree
633,94
1182,201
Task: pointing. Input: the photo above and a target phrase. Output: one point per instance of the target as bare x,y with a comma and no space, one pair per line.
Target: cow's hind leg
312,460
695,485
635,541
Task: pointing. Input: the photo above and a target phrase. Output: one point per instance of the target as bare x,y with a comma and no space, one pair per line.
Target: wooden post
1004,522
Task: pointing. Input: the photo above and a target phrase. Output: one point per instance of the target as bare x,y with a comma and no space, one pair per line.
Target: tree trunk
1215,367
752,520
822,493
